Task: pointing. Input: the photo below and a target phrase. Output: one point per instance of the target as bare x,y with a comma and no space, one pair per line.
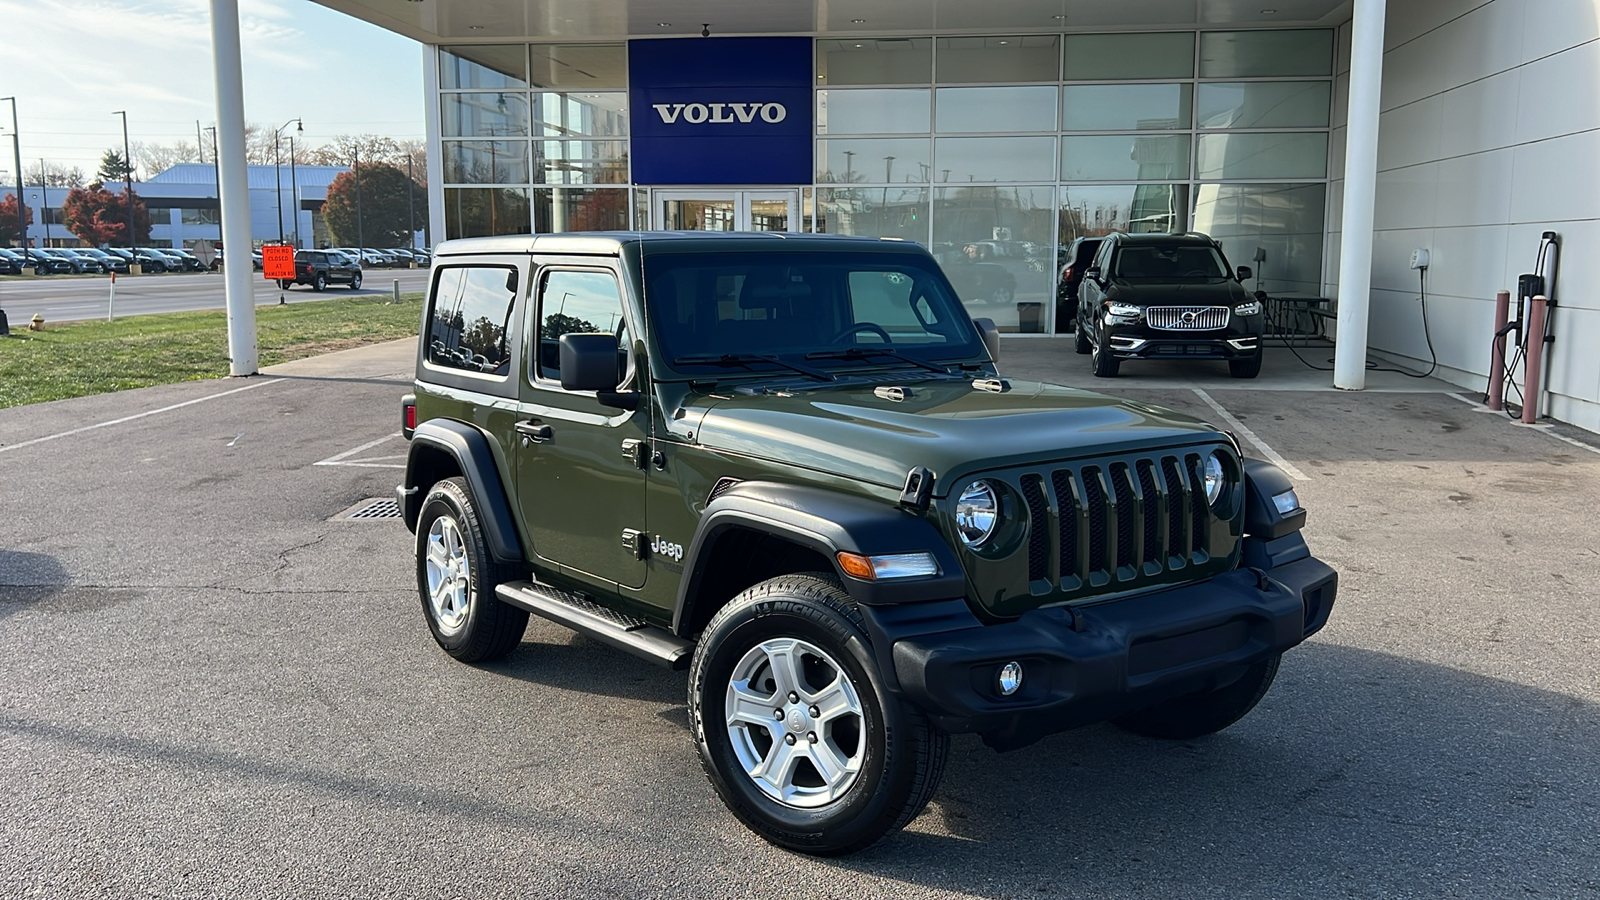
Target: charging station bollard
1497,351
1535,367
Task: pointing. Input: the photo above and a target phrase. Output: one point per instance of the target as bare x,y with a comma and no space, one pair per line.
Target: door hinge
633,542
633,451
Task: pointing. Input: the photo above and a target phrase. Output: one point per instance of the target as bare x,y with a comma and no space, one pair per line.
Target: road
71,299
214,687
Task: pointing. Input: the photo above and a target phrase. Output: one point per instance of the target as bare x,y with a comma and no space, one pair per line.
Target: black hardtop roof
1193,237
610,243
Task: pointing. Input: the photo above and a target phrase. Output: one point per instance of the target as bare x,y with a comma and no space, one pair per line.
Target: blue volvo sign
720,110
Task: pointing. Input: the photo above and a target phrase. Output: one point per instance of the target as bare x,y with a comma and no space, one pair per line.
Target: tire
319,283
1245,368
1003,296
804,631
284,284
1080,340
1102,362
355,282
1208,712
456,578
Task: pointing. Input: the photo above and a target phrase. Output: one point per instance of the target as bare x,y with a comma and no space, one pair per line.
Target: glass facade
996,151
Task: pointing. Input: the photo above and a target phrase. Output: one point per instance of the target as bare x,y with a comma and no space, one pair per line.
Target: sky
72,63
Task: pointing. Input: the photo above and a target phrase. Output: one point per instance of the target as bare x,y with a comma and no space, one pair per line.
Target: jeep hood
950,427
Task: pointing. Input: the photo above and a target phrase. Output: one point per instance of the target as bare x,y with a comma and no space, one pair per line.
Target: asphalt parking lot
211,689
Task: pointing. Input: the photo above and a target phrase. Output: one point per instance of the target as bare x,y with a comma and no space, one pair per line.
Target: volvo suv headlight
1123,309
1215,478
1247,309
977,513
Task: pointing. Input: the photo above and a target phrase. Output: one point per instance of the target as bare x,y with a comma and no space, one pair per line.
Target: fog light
1286,502
1010,678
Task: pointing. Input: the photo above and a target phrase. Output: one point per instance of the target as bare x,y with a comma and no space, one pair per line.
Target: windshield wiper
745,359
863,352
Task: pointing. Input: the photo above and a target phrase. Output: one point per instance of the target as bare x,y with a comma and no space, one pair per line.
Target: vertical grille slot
1038,528
1177,505
1061,482
1123,488
1197,505
1152,512
1094,497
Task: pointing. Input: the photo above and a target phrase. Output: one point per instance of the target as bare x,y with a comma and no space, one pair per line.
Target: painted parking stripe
370,462
1250,436
1541,428
152,412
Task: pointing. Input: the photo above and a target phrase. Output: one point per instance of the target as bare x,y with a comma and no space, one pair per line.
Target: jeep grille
1187,318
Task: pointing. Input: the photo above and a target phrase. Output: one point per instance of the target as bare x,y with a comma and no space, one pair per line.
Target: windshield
708,305
1169,263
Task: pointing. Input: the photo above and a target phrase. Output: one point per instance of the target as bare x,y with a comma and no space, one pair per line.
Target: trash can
1030,317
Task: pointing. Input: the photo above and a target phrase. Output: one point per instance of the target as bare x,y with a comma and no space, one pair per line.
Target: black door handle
535,432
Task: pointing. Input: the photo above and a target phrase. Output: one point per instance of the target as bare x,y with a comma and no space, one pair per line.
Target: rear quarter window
468,316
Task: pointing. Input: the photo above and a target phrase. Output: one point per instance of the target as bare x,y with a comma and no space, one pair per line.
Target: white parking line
51,437
1541,428
1250,436
371,462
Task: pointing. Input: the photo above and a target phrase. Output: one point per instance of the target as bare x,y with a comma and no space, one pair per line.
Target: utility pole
44,202
411,207
16,146
127,175
361,244
294,195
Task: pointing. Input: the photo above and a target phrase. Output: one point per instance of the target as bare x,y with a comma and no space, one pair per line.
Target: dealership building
998,133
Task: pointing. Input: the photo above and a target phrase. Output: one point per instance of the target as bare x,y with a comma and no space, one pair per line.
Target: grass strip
83,358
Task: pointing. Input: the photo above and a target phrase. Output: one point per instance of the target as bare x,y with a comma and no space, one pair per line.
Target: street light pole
277,168
127,175
411,207
294,195
355,170
44,202
16,146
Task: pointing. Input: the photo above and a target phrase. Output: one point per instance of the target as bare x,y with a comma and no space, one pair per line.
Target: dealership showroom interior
1384,170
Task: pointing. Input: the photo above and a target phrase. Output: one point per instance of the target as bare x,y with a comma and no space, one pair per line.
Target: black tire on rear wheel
467,620
320,283
896,754
1197,715
1080,340
1245,368
355,282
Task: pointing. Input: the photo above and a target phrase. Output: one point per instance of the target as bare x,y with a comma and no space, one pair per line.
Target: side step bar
595,621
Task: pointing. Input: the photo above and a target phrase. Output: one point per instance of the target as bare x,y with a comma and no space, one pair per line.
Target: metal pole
1360,191
411,207
1534,370
111,301
234,187
361,244
44,202
16,146
199,145
294,194
127,175
277,177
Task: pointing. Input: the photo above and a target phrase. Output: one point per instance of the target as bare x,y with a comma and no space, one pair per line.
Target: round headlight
977,513
1214,477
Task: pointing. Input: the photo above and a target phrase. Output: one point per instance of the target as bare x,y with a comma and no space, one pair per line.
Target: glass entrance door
725,210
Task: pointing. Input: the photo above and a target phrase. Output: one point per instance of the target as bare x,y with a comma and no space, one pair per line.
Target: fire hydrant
36,323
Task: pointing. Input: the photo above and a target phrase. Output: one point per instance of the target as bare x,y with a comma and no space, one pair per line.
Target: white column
430,116
234,187
1360,188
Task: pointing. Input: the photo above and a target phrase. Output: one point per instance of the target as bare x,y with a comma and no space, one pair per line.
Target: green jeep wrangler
788,463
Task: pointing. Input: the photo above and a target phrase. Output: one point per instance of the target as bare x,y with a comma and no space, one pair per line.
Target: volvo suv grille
1187,318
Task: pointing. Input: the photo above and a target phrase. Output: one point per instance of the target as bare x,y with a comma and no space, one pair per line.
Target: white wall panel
1407,197
1476,116
1559,94
1476,189
1469,262
1550,26
1410,134
1557,179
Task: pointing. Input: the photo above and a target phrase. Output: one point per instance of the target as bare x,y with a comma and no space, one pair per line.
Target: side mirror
1245,273
990,335
589,362
1093,274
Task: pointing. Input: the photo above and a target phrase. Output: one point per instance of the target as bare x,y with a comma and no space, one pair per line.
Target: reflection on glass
1283,220
1110,57
579,209
1265,104
991,109
1124,107
1265,54
700,215
1095,210
484,66
579,66
871,160
1124,157
996,246
588,114
485,162
484,115
480,212
580,162
471,309
769,215
875,61
1257,155
868,111
874,212
994,159
992,60
576,303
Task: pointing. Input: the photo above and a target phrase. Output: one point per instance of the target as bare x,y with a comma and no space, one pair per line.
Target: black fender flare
471,450
1262,482
826,522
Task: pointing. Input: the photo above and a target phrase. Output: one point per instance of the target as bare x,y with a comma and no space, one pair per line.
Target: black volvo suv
1166,296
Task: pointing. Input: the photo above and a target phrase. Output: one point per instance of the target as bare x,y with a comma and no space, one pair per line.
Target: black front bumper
1090,663
1241,339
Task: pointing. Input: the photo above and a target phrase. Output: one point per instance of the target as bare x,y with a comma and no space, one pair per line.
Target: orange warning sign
277,261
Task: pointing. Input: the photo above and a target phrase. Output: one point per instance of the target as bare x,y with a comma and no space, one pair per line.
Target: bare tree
157,158
342,149
54,175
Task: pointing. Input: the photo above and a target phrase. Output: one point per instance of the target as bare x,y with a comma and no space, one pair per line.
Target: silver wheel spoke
777,770
835,700
437,554
785,663
833,768
749,707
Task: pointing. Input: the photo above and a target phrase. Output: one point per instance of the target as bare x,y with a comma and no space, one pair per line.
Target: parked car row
395,258
95,261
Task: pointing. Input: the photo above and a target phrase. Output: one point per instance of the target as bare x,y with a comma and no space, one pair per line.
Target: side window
578,302
467,329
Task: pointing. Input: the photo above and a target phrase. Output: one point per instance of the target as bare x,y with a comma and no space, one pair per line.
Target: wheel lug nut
778,714
812,737
789,739
815,712
793,697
